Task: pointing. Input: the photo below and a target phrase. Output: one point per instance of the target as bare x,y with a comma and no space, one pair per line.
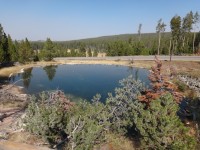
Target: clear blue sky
77,19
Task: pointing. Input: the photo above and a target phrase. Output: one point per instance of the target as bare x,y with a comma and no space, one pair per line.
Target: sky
63,20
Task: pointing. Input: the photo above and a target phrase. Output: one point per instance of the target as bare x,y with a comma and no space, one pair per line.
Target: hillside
123,37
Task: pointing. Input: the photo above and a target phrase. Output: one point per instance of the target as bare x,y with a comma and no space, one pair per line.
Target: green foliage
1,54
179,41
175,25
159,29
52,116
187,22
1,44
119,48
46,118
181,86
89,52
12,50
47,51
48,45
87,125
4,54
82,50
194,107
95,54
121,105
160,127
25,52
45,55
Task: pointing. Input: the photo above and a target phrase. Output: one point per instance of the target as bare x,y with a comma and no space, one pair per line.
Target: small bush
47,117
160,127
87,125
57,120
121,105
181,86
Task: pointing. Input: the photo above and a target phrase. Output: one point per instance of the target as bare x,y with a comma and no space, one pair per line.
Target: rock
2,116
3,135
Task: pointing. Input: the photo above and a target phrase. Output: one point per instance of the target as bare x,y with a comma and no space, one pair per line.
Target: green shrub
57,120
121,105
46,116
181,86
87,125
160,127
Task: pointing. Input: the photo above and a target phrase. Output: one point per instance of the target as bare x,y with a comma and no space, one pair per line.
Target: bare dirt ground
8,145
12,107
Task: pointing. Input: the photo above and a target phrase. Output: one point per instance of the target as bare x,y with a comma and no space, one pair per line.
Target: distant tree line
24,51
183,39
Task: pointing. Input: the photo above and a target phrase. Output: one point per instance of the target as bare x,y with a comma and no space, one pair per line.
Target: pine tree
25,52
47,52
195,22
122,104
48,45
95,53
160,127
159,29
89,52
161,84
12,50
1,54
4,52
87,125
175,25
1,33
6,55
186,28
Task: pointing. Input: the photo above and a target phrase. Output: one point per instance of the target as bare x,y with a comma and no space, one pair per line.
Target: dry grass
9,145
15,69
185,67
142,64
116,142
11,98
25,137
7,105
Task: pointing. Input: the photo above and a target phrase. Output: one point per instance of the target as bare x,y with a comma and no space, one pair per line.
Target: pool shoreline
8,72
82,80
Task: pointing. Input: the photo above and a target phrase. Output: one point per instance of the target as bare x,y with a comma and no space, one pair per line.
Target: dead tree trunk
193,42
159,37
